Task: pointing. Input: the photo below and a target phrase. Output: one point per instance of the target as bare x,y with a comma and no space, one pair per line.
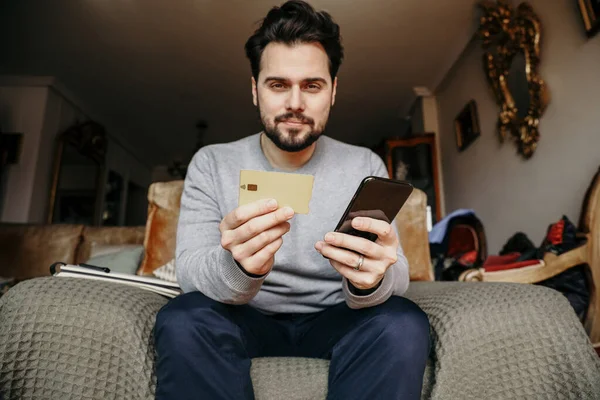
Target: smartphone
378,198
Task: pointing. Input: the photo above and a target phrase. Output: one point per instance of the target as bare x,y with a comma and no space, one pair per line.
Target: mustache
296,116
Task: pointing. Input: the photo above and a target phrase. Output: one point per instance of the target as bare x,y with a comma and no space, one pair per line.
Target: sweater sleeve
202,264
396,279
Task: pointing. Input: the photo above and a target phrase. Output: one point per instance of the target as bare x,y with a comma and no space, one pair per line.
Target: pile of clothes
458,243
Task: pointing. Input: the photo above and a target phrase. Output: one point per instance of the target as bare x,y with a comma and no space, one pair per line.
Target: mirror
75,195
518,86
511,40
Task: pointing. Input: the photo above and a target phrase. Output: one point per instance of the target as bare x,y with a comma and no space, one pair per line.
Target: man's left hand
344,252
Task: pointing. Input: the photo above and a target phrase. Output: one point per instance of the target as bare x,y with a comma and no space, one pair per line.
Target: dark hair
296,22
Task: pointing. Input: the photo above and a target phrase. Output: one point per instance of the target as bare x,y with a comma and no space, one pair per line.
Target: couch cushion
299,378
167,272
73,339
27,251
490,340
125,261
289,378
505,340
412,229
164,200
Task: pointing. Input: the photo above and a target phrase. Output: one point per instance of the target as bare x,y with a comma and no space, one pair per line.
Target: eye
277,86
313,87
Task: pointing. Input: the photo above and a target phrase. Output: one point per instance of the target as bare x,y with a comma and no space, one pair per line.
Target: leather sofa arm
72,338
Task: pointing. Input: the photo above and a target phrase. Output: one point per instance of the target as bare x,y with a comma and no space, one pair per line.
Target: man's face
294,94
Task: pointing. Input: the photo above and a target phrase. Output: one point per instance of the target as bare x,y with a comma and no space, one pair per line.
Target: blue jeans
205,348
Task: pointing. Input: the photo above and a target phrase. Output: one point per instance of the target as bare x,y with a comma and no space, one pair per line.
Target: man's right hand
253,234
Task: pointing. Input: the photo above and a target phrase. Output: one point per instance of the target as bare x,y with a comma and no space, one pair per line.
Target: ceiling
150,69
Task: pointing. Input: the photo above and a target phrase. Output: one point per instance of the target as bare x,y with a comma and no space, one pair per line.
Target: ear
334,91
254,93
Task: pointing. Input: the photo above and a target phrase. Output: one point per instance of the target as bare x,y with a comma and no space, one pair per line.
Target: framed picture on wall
466,126
590,14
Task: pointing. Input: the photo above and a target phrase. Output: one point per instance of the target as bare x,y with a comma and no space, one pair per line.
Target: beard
294,140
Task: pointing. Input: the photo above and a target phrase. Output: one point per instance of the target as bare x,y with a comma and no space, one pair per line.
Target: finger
255,226
357,244
345,271
243,214
344,256
258,225
360,279
376,214
382,229
247,249
263,256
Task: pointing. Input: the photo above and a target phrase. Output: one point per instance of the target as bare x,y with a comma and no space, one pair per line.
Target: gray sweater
301,280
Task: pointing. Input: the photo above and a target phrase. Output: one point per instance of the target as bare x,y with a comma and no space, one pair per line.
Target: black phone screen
378,198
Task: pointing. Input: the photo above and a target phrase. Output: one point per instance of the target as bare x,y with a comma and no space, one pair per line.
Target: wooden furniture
552,265
414,159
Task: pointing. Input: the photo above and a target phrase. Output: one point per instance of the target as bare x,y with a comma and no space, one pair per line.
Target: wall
22,110
508,193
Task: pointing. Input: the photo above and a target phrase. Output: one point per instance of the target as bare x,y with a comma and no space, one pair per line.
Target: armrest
505,340
71,338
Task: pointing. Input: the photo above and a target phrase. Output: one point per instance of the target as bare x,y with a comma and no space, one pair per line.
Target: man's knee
403,326
181,314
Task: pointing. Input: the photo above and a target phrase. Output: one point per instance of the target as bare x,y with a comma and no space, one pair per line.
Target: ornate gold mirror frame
505,33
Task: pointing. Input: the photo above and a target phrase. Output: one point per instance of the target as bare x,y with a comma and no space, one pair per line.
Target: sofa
69,338
28,250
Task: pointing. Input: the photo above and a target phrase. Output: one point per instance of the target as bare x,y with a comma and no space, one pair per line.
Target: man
260,281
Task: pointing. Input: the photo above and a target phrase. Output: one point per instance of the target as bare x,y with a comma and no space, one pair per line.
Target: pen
103,269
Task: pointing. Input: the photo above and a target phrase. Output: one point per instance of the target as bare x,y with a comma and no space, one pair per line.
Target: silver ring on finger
359,264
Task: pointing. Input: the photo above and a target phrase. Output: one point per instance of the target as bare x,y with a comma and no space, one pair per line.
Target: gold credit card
293,190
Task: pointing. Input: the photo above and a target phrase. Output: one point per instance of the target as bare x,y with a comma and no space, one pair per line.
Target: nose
295,101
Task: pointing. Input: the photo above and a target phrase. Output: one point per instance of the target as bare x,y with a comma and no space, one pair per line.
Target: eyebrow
307,80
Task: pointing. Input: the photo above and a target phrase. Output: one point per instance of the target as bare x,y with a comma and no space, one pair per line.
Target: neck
285,160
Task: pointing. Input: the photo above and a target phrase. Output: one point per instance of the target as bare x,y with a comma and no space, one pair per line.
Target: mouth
293,122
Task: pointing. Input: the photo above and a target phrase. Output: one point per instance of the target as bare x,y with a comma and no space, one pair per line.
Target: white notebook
168,289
